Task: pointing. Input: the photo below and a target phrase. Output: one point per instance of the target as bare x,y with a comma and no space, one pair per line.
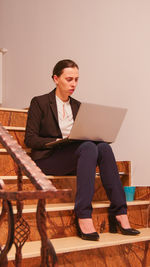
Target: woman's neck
63,97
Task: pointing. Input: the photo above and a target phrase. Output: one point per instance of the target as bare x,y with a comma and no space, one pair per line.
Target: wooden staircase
111,250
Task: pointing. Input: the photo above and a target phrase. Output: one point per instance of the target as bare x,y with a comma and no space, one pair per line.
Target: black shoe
91,236
114,224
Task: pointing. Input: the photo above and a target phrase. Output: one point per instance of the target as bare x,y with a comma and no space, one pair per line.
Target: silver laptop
95,122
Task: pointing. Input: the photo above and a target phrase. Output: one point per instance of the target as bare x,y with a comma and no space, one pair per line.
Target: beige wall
109,39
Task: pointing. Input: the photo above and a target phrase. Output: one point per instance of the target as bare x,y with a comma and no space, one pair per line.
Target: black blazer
42,123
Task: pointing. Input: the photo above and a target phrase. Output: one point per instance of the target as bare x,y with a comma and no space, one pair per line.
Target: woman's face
66,83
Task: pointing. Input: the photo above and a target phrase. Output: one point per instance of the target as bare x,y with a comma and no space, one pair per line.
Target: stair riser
135,254
62,223
7,164
12,118
8,167
64,183
122,255
141,193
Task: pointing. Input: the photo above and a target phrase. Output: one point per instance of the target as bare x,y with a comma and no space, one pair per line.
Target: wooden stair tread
3,150
49,176
14,128
14,109
72,244
14,178
70,206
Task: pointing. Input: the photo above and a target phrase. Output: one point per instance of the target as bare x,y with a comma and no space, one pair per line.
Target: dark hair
62,64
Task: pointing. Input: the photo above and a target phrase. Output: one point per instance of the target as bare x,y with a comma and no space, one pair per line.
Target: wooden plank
13,118
13,110
71,244
61,219
70,206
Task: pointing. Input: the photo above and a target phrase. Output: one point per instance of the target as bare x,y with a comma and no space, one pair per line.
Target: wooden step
8,167
4,151
51,177
17,110
61,218
15,128
13,117
67,182
111,250
70,206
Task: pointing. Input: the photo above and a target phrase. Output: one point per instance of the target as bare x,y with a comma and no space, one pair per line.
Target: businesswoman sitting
51,117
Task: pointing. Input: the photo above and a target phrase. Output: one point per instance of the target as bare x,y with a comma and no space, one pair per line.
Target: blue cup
129,192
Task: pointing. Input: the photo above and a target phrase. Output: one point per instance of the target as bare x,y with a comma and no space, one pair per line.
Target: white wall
110,40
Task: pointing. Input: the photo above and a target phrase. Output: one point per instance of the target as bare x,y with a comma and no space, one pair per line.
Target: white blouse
65,116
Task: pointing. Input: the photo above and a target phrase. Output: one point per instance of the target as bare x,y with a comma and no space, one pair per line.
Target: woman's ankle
123,220
86,225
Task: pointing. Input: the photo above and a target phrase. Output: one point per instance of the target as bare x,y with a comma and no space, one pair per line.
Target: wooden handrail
44,189
25,163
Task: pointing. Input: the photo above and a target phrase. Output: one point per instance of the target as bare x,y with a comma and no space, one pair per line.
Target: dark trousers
82,157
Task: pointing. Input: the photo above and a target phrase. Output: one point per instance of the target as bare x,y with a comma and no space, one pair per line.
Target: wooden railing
18,228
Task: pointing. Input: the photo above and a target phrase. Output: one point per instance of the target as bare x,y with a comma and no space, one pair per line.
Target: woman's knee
104,148
89,148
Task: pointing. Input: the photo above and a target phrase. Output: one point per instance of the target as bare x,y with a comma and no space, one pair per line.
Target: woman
50,118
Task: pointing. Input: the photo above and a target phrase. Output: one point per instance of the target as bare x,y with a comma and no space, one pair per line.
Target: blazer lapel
53,106
52,100
74,108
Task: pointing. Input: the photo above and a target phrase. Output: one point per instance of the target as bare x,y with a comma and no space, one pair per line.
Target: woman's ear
55,78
